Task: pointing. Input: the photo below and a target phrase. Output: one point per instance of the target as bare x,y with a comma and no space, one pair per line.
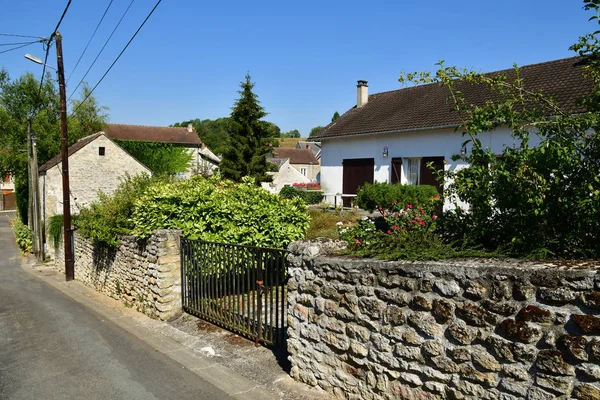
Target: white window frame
406,173
303,171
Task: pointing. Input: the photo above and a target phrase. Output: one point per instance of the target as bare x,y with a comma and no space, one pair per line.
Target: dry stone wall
369,329
143,274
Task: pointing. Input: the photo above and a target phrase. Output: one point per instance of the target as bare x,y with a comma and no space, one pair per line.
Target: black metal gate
241,288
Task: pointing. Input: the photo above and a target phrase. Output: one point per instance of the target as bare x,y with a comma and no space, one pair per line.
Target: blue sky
304,56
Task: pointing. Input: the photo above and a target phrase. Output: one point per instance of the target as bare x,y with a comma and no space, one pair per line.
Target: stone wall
144,274
369,329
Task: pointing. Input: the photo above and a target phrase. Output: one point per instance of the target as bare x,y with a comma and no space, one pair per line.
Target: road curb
158,334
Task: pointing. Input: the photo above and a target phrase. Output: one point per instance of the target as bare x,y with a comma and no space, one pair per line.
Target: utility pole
64,150
34,196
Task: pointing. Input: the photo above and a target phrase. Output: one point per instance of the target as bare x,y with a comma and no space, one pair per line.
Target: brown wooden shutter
396,170
427,175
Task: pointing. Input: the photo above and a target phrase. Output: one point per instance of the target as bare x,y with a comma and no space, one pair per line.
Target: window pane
412,171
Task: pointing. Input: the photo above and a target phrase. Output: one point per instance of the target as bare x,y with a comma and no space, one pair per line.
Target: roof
206,153
315,147
81,143
426,106
144,133
296,156
279,162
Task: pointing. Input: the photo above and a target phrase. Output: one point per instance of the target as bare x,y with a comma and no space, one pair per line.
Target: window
303,171
411,170
101,151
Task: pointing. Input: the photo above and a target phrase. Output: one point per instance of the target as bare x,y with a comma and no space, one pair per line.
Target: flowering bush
409,218
307,186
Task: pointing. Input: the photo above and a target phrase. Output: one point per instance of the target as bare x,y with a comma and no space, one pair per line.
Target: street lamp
38,61
64,150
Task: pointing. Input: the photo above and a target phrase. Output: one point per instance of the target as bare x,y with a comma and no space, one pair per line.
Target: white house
391,136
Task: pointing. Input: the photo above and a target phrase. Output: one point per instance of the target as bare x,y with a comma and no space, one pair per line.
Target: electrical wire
61,19
18,47
101,50
89,41
119,56
23,36
17,43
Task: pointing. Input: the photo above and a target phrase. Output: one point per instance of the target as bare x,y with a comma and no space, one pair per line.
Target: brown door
428,176
396,170
9,202
357,172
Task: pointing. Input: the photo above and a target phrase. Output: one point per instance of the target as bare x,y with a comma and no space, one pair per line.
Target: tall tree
294,133
250,140
336,115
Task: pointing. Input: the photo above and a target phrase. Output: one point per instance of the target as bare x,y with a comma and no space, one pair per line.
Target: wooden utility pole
64,150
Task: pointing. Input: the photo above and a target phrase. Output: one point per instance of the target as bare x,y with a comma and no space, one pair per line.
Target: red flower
389,231
409,206
422,222
422,212
434,217
395,215
395,227
358,242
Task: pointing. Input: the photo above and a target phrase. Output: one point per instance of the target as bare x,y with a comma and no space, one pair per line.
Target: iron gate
241,288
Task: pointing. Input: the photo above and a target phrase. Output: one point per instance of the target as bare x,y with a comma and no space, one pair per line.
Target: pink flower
409,206
395,227
434,217
389,232
395,215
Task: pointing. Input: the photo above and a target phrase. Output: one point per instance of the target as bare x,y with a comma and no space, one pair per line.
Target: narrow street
52,347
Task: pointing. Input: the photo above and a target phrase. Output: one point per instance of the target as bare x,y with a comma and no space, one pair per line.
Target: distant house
7,193
392,136
315,147
96,164
285,175
203,160
303,160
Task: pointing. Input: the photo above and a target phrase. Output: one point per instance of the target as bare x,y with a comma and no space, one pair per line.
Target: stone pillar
168,281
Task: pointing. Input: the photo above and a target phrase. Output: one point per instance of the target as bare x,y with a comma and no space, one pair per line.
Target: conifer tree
250,140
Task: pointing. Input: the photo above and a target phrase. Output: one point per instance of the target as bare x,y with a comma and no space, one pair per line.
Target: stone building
302,159
96,164
203,161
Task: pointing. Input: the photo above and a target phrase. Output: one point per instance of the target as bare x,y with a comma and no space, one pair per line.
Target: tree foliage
315,130
294,133
336,115
250,140
160,158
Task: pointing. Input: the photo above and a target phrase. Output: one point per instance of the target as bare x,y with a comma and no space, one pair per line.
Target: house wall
443,142
286,176
371,329
199,165
312,170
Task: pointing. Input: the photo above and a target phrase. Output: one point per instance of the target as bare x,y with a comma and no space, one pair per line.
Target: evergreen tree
336,115
250,139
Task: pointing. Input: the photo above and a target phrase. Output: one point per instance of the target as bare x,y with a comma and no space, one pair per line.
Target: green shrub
371,196
54,228
309,196
23,235
108,218
220,211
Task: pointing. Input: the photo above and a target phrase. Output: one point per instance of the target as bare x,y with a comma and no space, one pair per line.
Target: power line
101,50
61,19
23,36
119,56
17,43
18,47
90,41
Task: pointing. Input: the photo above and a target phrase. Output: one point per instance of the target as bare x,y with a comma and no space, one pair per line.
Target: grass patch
324,223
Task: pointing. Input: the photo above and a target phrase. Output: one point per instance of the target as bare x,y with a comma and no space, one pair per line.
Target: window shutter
428,177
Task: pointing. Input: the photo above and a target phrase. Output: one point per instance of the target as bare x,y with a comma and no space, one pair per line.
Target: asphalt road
52,347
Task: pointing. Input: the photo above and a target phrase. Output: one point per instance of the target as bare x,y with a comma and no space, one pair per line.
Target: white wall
286,176
431,143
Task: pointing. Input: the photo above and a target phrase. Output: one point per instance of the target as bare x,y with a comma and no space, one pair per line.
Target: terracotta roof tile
72,149
179,135
296,156
426,106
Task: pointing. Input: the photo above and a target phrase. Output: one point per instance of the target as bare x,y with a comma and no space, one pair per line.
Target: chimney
362,93
190,128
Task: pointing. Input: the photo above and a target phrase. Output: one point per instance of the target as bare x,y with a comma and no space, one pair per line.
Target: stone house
203,160
96,164
392,136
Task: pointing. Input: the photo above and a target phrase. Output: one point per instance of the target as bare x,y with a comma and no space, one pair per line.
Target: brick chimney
362,93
